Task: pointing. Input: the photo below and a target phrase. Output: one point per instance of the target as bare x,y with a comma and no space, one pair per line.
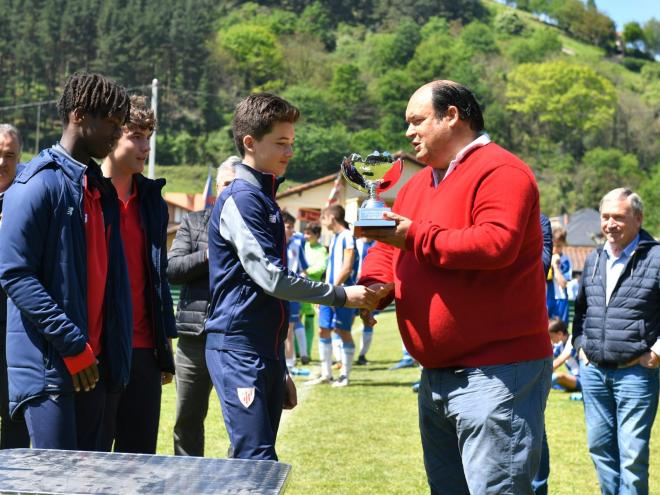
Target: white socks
301,338
336,346
367,335
347,358
325,355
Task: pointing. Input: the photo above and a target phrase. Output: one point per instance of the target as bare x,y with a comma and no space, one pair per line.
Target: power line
51,102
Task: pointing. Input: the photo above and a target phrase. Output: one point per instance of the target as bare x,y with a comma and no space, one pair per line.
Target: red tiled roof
307,185
577,255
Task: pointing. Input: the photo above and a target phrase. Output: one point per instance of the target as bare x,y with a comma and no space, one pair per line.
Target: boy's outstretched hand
290,399
358,296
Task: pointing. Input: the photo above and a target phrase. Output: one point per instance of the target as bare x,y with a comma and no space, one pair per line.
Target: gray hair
620,193
229,164
8,129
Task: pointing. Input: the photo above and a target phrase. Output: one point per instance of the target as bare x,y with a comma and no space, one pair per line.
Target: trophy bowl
374,174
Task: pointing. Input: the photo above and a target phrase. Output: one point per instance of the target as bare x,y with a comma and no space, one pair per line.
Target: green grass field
364,439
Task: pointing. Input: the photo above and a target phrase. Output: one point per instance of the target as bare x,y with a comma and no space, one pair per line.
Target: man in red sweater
470,297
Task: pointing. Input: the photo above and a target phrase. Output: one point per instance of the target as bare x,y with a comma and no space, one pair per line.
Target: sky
624,11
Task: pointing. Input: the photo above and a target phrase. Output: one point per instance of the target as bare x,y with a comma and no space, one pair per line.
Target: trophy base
375,224
370,216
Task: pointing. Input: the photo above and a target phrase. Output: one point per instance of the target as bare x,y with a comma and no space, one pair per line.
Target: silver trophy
374,174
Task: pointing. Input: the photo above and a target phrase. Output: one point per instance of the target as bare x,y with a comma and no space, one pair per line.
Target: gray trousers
193,388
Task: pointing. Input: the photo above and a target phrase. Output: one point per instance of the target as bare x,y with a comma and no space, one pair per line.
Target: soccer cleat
299,371
342,381
304,360
361,360
321,380
415,387
404,363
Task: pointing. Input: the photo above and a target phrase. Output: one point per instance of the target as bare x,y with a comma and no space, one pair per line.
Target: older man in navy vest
616,329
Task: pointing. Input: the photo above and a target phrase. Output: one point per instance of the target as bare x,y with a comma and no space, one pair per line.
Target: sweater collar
439,176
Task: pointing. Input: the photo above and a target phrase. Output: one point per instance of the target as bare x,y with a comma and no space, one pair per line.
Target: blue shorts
294,311
336,318
558,307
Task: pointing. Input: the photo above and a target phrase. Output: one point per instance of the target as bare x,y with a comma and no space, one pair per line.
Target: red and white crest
246,396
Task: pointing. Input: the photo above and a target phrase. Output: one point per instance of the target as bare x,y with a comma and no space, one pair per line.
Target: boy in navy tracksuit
131,417
63,268
248,318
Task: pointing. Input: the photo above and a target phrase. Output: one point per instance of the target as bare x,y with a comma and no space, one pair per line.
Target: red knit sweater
469,287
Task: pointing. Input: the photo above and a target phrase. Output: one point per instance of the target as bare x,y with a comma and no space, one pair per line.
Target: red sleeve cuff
76,364
410,236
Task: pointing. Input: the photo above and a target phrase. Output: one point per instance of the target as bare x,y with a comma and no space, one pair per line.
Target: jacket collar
144,184
268,183
646,241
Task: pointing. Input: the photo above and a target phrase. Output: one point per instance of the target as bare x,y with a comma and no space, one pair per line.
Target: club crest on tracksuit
246,396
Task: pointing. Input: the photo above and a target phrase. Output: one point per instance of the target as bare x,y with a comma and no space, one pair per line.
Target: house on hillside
306,201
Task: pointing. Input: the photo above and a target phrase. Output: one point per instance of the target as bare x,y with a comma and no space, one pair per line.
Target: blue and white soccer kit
297,263
339,318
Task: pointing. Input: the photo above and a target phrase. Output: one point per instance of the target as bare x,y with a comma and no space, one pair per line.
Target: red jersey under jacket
469,288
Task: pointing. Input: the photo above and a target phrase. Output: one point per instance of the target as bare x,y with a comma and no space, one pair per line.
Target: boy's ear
77,115
248,143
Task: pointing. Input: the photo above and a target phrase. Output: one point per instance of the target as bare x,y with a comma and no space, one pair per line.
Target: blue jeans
540,482
482,428
619,409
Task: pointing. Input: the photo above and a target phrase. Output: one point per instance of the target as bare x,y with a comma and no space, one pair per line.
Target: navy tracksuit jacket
249,313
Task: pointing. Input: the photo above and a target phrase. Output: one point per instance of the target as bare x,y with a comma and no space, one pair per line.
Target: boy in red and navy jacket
131,416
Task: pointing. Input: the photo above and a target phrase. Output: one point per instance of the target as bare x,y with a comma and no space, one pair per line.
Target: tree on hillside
650,193
542,44
464,11
569,104
600,170
633,36
255,52
652,36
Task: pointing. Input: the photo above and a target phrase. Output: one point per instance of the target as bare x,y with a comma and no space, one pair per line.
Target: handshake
359,296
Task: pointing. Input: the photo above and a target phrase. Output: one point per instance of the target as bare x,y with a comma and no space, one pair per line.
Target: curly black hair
94,94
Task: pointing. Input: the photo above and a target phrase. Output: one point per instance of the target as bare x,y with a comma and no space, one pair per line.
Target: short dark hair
94,94
557,325
314,228
288,218
447,93
256,115
338,212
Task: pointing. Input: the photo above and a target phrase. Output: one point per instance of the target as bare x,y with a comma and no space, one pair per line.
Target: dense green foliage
553,84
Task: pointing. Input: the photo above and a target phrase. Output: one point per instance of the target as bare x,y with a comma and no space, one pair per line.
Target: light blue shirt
615,265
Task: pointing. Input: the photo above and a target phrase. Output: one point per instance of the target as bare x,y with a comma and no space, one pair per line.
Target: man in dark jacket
13,434
63,268
616,330
188,265
131,416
